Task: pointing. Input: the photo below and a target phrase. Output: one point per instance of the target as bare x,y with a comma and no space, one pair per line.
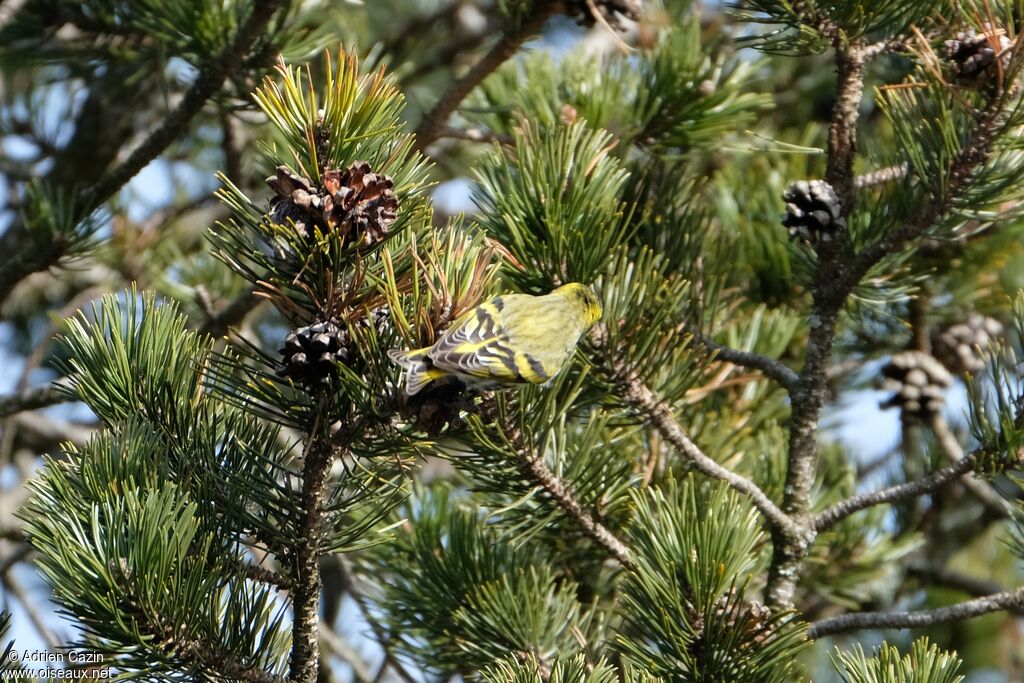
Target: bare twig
1009,600
892,494
43,434
20,554
947,578
774,369
338,645
383,638
950,447
660,416
418,25
14,588
434,120
32,399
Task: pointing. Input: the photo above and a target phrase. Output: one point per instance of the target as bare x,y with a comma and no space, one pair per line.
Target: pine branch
947,578
892,494
32,399
928,484
842,134
817,20
660,416
810,391
769,366
950,447
1009,600
305,656
434,121
536,470
32,258
973,154
206,85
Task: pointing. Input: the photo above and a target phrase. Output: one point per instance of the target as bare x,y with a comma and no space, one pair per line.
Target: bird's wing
477,345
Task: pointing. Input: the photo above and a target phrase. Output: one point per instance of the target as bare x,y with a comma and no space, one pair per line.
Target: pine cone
309,353
919,382
614,12
360,202
296,201
973,55
957,347
380,319
356,202
813,212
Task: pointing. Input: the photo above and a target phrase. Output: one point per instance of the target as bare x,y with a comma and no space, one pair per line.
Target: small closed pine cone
973,55
957,347
309,354
813,212
919,382
614,12
356,202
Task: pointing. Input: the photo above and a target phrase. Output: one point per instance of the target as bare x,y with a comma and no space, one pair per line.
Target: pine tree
672,506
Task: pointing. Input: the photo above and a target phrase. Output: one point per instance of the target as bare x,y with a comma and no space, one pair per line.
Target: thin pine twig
32,399
774,369
536,470
660,417
434,121
1009,600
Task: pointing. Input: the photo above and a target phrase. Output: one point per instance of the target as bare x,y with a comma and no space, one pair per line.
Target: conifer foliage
260,501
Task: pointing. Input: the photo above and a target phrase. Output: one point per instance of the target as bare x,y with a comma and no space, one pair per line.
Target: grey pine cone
919,382
813,212
958,347
973,55
309,354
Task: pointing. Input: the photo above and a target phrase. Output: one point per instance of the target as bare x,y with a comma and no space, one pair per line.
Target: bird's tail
419,370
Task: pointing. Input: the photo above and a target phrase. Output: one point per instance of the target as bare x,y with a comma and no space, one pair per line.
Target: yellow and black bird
507,340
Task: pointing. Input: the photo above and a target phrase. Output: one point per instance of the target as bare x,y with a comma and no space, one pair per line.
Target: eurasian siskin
510,339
